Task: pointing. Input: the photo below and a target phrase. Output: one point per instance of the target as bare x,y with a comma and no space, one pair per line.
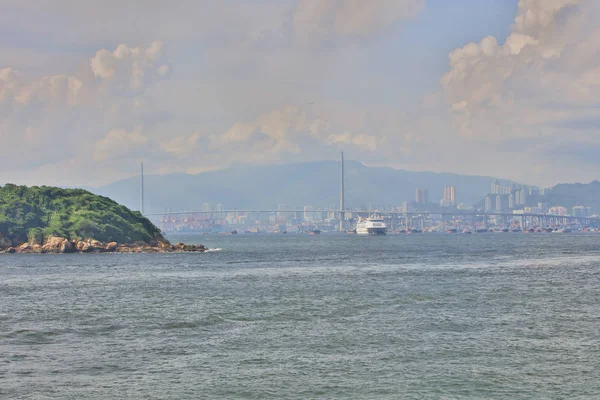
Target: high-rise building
499,205
449,195
499,189
282,215
524,197
495,187
422,196
309,213
446,203
219,211
405,207
488,204
511,201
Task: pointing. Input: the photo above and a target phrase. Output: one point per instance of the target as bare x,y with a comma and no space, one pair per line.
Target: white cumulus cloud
60,117
538,92
129,70
551,57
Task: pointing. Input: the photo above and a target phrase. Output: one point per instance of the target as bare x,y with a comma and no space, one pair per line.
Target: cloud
280,81
541,85
316,20
281,130
92,23
54,90
545,72
58,117
129,70
182,146
285,133
362,141
119,143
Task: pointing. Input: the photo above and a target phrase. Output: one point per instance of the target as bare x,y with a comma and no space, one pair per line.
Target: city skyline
509,207
450,217
317,185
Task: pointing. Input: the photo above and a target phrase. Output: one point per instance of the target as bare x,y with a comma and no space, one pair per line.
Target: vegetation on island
33,214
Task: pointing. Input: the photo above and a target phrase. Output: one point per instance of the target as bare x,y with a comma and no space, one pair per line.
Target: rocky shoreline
60,245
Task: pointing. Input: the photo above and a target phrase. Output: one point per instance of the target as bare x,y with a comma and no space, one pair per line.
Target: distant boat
373,225
315,232
564,230
452,230
234,232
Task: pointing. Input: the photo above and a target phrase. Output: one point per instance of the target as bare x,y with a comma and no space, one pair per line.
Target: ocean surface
429,316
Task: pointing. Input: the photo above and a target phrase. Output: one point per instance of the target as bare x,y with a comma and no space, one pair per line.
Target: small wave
32,336
213,250
210,320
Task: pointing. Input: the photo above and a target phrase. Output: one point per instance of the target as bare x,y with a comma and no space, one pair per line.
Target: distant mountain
574,194
295,185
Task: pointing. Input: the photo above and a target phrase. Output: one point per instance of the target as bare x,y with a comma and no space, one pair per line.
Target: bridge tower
142,189
342,196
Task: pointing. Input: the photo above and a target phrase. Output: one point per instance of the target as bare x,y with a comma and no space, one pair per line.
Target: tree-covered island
53,220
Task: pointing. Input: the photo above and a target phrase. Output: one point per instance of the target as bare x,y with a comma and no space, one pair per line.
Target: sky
504,88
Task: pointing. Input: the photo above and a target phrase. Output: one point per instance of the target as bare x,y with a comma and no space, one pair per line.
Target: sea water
426,316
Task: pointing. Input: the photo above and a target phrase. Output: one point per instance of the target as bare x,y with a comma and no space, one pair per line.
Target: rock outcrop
111,247
57,245
24,247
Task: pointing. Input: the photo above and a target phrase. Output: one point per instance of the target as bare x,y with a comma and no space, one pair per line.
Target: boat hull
371,231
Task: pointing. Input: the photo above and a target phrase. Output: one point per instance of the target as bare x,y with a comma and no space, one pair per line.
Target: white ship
374,225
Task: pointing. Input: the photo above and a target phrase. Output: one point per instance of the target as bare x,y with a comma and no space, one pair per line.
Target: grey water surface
430,316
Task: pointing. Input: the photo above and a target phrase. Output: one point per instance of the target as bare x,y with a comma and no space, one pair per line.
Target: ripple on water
479,316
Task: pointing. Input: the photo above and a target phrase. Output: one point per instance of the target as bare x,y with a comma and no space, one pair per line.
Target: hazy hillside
315,184
574,194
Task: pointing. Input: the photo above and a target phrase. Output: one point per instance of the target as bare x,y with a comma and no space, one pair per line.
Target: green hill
35,213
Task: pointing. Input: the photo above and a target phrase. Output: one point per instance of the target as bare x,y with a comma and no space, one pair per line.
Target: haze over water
489,316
